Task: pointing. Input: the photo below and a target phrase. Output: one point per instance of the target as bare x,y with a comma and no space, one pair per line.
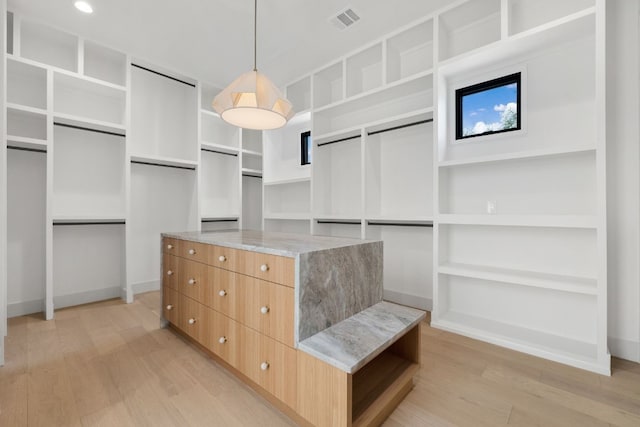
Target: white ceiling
212,40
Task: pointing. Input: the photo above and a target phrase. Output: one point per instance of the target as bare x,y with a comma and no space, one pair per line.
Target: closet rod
330,221
34,150
56,223
218,152
252,176
339,140
401,224
162,74
106,132
220,220
191,168
421,122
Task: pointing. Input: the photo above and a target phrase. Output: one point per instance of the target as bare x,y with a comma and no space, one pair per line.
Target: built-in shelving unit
520,223
386,166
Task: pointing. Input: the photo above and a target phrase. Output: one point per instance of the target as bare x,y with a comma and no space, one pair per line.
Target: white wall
3,187
623,178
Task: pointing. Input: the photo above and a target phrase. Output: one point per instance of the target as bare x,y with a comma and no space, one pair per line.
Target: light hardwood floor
109,364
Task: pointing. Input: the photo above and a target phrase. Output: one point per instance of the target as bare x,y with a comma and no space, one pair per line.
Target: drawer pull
192,281
169,272
192,251
192,321
222,293
222,340
169,307
169,246
264,310
222,258
264,268
264,366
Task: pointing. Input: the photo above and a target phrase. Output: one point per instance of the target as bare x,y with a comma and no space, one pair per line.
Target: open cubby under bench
357,371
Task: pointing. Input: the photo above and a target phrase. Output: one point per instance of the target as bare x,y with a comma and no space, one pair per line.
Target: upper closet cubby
105,64
469,26
26,124
78,99
328,85
47,45
218,135
163,115
299,94
399,99
410,52
364,70
26,84
525,15
252,142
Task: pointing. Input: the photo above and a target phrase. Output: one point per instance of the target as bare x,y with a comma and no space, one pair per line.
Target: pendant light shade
252,101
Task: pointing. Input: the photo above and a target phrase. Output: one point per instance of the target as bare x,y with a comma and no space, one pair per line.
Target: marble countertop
352,343
283,244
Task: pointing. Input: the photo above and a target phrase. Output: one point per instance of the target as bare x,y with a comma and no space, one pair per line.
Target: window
489,107
305,148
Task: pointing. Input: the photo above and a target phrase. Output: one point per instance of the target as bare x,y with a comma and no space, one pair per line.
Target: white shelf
287,181
352,219
72,120
251,153
575,26
555,221
560,349
580,285
25,142
288,216
26,109
252,172
516,156
400,219
164,161
219,147
210,113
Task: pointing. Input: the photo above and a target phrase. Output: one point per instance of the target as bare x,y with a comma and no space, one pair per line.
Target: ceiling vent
344,19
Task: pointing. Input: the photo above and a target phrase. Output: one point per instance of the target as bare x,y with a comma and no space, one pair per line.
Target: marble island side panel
335,284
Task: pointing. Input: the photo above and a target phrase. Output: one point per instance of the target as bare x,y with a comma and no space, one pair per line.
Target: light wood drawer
194,320
194,251
170,246
268,363
222,257
266,307
170,272
272,268
222,291
170,305
225,340
192,282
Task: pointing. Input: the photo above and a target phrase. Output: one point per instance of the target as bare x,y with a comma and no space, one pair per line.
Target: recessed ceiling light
83,6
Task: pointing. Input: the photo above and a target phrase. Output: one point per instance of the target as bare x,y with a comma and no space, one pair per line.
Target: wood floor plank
115,415
13,400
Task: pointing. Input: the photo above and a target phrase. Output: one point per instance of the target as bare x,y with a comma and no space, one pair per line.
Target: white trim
142,287
624,349
80,298
23,308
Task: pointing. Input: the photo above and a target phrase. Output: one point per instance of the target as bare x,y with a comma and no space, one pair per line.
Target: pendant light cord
255,35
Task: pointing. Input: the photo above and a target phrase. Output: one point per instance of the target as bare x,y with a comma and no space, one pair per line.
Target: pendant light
252,101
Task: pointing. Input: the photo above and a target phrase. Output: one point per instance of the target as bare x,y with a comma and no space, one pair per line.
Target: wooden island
299,318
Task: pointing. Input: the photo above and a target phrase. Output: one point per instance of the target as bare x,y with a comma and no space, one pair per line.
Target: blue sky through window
490,110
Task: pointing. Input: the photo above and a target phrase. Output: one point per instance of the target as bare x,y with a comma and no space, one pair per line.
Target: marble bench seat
352,343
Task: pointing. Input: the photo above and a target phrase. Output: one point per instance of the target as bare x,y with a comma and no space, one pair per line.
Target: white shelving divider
530,275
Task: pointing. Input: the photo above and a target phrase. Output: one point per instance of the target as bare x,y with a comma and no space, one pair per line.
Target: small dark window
305,148
489,107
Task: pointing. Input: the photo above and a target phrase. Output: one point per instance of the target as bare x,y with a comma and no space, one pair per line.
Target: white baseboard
142,287
624,349
408,300
23,308
79,298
